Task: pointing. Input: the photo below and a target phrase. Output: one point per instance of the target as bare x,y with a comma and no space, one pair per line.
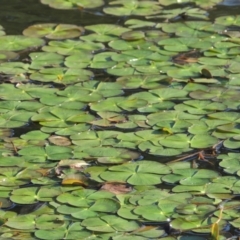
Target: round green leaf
17,43
53,31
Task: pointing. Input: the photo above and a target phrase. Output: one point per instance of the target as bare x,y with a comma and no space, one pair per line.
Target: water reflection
231,3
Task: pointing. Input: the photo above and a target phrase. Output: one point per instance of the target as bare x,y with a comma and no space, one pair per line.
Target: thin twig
14,148
183,158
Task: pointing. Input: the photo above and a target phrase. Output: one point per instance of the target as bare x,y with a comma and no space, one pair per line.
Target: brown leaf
43,171
116,188
72,181
75,179
186,57
59,140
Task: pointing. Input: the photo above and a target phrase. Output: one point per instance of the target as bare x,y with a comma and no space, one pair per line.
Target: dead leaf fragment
59,140
116,188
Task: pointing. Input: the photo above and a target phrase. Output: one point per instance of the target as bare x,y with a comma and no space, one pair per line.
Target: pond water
119,119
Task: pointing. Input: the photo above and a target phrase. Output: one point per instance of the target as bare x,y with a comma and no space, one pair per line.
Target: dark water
16,15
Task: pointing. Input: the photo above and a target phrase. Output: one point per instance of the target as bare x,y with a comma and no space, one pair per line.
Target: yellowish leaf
215,231
71,181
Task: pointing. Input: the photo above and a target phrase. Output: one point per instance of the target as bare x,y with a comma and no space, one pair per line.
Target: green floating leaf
49,152
73,4
24,222
169,93
53,31
110,223
207,4
213,61
193,29
133,8
14,119
182,72
203,141
83,197
91,138
41,59
169,116
190,12
7,55
62,75
146,82
56,117
67,130
228,116
176,141
14,176
2,31
210,189
235,223
11,161
204,3
190,222
151,213
102,61
30,195
200,106
80,60
104,32
14,68
46,221
53,234
17,43
230,163
70,47
211,93
5,203
190,176
131,103
35,135
68,102
120,70
231,143
68,231
136,23
105,154
228,20
87,203
164,209
133,35
175,44
142,173
119,44
36,91
142,233
31,106
105,89
109,104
